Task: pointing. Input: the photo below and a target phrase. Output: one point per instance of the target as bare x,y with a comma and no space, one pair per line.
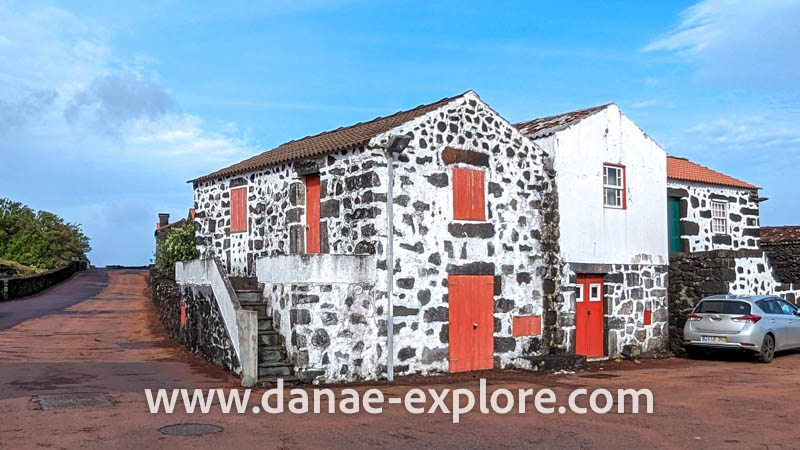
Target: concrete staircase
273,362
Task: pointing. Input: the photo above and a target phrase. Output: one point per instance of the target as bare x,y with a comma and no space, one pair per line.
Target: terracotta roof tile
546,126
780,235
685,170
327,142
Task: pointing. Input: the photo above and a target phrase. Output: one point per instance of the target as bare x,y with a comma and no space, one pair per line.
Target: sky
106,112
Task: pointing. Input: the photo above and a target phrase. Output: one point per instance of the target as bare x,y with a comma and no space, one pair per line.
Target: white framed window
719,217
595,292
614,186
579,294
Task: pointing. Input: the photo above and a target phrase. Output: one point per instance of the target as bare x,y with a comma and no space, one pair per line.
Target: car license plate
713,339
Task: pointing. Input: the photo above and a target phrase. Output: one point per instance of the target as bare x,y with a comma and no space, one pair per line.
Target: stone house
611,180
468,279
716,244
709,210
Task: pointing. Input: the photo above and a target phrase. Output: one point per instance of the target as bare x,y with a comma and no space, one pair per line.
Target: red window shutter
477,197
527,326
239,210
312,213
469,198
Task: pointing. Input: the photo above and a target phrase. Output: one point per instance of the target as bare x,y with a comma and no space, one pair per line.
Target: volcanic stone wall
785,259
337,331
332,330
517,244
693,276
695,210
204,332
276,210
629,290
17,287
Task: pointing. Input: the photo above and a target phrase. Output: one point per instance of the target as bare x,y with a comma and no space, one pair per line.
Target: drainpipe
395,144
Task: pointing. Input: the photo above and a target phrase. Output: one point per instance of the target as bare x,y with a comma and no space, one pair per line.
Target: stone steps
270,338
271,353
243,283
257,306
272,358
250,296
275,369
290,380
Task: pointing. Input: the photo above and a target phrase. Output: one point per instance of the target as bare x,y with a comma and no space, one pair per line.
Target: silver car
762,324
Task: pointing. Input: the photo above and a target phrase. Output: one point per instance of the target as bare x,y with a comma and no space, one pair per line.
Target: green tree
179,245
38,239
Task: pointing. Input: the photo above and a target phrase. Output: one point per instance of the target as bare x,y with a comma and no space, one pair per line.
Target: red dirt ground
113,343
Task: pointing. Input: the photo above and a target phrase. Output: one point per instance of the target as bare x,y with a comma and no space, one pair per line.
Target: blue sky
105,112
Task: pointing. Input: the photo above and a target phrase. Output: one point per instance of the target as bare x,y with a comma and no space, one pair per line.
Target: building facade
709,210
476,266
611,181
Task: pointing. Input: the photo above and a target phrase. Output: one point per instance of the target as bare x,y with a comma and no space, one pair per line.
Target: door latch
474,325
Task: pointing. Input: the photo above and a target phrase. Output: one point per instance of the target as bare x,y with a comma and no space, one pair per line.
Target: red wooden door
471,329
589,309
238,210
312,213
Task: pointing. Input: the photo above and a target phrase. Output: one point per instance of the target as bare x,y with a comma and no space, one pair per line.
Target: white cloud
739,42
645,104
745,133
61,86
96,138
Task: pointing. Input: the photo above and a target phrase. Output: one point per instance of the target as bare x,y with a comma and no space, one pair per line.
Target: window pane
612,176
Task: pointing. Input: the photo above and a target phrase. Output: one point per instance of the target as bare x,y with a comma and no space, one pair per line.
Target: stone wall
695,211
785,259
693,276
18,287
276,210
331,330
517,244
204,331
629,290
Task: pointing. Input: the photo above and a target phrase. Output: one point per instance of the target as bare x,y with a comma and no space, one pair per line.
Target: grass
21,269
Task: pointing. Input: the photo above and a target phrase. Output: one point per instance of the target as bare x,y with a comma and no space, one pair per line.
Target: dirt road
108,341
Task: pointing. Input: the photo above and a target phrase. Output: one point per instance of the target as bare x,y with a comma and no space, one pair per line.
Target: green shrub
38,239
179,245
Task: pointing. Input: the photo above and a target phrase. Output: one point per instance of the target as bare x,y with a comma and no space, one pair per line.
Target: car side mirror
797,312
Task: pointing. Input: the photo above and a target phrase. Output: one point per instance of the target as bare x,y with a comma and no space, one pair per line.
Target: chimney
163,219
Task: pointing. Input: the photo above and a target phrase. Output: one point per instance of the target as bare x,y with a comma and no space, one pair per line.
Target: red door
471,329
238,210
589,316
312,213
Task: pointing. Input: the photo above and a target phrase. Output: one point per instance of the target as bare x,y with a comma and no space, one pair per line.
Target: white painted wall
316,268
241,324
590,232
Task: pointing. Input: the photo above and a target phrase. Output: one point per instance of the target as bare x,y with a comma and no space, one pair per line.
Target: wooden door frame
451,281
581,279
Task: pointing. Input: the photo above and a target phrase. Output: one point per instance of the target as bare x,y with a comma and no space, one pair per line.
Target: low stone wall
785,259
18,287
204,331
693,276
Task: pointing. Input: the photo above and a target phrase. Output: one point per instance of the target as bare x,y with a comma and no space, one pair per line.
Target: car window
786,307
722,307
769,306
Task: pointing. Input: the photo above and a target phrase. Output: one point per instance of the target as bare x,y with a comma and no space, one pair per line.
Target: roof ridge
364,122
348,136
734,182
565,113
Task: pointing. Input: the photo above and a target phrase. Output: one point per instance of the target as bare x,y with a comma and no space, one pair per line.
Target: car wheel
694,352
767,349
